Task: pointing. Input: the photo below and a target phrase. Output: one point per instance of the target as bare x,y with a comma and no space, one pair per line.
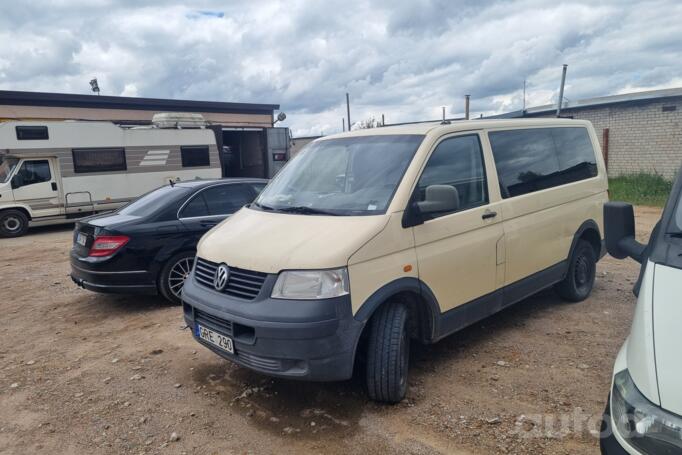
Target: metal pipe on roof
561,91
466,106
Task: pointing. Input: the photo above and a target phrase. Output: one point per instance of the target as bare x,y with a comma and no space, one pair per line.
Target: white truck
53,172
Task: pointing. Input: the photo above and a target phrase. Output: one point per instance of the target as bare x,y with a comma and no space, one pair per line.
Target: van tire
579,280
169,276
13,223
388,352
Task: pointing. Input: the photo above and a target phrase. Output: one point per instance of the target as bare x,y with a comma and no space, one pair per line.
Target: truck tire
388,353
13,223
579,280
173,275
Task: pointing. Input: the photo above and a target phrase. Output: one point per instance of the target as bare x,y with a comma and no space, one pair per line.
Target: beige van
370,239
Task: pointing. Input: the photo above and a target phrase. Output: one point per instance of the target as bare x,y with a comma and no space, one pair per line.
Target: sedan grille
244,284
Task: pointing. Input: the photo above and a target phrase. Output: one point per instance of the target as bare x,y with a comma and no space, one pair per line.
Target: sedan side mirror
619,227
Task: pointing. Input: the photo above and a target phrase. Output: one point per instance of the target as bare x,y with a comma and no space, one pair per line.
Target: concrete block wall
642,137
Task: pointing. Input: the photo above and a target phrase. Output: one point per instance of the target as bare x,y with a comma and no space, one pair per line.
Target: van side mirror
16,182
619,227
439,199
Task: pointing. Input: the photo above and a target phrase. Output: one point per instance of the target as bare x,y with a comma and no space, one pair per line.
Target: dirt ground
88,373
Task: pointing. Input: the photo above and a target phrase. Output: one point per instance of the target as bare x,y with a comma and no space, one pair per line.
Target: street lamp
94,86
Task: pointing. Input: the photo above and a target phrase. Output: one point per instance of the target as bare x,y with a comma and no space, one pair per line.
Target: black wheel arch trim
587,226
395,287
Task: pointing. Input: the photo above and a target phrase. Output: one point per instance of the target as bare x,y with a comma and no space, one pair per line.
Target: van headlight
311,284
644,425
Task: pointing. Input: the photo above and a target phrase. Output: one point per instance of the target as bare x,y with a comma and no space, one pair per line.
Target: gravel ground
88,373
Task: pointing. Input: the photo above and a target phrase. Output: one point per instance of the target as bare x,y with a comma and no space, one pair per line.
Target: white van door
35,184
457,250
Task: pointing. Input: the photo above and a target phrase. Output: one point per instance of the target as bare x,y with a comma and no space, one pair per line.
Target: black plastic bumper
299,339
98,278
608,443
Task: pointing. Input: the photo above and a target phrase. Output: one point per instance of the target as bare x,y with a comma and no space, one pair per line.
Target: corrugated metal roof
602,101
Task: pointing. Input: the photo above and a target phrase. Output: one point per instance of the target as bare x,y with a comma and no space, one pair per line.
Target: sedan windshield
347,176
7,165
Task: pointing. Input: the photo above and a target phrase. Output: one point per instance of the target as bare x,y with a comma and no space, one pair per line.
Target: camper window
31,133
99,160
195,156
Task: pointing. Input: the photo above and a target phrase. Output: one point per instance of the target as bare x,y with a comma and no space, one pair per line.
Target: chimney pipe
466,106
561,91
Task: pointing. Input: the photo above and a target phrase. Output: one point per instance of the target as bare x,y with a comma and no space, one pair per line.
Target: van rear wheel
579,280
388,353
13,223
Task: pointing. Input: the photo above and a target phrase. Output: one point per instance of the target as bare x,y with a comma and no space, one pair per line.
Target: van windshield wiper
263,207
305,210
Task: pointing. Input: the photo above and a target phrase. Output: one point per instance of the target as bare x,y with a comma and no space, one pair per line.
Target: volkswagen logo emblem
222,274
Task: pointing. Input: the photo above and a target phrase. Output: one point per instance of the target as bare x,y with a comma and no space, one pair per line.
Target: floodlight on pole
94,86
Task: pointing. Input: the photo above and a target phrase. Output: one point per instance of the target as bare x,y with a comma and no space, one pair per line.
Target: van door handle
488,214
54,186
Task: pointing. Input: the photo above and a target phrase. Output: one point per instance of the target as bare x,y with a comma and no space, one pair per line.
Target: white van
55,172
369,239
644,410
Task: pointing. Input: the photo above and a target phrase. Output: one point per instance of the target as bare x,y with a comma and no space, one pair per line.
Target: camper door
277,150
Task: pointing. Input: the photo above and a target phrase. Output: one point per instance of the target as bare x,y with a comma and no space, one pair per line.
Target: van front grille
244,284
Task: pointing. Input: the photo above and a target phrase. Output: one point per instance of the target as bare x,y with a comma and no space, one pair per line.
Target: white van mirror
439,199
619,229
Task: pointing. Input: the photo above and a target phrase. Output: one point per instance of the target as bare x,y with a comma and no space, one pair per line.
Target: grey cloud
404,59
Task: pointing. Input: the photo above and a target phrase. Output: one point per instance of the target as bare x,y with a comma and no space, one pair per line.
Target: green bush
640,189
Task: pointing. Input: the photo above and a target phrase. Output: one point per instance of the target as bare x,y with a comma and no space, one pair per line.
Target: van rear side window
535,159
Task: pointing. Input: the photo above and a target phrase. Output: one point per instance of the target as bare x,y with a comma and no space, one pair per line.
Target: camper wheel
13,223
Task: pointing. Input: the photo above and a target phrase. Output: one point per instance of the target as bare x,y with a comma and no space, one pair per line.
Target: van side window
195,156
535,159
31,172
457,162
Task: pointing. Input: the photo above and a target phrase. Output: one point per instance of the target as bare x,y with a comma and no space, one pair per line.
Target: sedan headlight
311,284
644,425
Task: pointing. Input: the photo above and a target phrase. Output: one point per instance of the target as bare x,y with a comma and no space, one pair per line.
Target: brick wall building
639,132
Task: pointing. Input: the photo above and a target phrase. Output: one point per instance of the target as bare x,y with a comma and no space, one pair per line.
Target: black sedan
148,246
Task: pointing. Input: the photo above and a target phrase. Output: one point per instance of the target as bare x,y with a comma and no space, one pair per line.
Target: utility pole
466,106
561,91
383,122
343,124
443,107
348,110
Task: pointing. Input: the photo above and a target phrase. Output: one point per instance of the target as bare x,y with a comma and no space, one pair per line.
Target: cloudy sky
405,59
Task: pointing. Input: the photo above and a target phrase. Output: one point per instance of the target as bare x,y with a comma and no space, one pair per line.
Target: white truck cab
644,412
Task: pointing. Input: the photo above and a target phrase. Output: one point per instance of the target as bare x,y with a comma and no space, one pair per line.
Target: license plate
216,339
81,239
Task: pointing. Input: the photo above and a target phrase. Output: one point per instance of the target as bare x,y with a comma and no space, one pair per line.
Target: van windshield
7,165
346,176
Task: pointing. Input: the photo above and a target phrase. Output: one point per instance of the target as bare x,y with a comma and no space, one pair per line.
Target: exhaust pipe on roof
561,91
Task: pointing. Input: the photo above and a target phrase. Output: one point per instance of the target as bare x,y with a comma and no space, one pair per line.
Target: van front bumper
300,339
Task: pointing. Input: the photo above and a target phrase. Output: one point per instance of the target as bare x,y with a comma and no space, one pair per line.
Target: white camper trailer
53,172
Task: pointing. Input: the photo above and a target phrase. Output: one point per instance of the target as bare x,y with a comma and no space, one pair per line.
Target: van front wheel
579,280
13,223
388,353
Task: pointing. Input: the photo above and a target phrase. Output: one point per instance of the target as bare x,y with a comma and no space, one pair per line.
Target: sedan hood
667,316
270,242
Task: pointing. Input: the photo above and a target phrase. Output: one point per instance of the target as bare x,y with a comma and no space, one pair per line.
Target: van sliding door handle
488,214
